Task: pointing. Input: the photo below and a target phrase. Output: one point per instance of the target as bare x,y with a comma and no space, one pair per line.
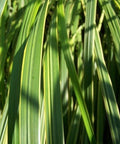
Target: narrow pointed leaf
31,97
109,98
72,72
53,105
88,53
28,20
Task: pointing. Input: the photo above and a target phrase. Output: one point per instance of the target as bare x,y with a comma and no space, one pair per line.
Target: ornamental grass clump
59,71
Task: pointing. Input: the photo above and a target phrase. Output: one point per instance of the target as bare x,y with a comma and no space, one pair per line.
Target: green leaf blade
109,98
72,72
30,92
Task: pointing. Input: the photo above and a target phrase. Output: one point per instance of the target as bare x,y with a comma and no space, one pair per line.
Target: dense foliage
59,71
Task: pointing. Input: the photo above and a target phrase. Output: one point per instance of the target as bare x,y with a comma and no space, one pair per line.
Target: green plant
59,71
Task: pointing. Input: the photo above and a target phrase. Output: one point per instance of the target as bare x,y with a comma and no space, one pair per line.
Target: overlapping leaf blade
72,72
13,128
73,132
53,105
114,26
88,53
109,98
31,97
